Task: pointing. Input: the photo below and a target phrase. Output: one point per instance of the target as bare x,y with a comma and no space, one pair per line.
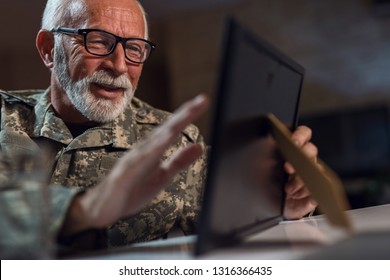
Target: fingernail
199,99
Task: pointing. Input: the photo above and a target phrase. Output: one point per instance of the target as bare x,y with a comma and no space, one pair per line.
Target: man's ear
45,45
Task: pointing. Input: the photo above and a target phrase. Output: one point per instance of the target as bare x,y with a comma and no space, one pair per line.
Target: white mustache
103,78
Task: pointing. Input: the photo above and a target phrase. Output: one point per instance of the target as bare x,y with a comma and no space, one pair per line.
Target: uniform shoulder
29,97
148,114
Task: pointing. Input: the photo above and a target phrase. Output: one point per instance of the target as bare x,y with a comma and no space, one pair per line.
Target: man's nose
116,61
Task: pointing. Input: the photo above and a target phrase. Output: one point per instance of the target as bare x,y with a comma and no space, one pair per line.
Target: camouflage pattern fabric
26,231
28,122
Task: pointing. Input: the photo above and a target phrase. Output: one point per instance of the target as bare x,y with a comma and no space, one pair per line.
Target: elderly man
129,172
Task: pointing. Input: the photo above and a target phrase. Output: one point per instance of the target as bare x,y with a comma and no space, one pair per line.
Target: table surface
308,238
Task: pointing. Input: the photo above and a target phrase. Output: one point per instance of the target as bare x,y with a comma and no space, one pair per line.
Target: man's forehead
112,12
119,17
120,11
108,7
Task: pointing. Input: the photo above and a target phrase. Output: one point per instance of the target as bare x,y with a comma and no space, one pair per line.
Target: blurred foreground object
24,207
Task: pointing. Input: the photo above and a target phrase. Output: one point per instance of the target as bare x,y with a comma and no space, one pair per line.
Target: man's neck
65,110
78,129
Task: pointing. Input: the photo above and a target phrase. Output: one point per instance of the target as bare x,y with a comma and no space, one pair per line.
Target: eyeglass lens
101,43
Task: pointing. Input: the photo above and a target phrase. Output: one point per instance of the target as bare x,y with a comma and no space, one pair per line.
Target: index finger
186,114
163,136
301,135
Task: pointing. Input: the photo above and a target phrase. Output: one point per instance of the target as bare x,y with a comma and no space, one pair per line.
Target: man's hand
298,200
138,176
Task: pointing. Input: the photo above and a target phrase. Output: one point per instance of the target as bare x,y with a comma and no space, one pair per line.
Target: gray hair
71,12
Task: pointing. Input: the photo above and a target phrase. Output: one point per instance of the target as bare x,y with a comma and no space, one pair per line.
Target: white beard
93,108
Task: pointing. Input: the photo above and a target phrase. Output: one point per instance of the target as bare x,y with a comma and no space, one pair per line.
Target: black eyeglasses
102,43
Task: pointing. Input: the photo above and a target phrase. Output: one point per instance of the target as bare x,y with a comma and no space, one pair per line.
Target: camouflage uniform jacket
28,121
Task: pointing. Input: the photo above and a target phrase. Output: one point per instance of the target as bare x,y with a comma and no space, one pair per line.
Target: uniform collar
127,127
123,132
47,124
